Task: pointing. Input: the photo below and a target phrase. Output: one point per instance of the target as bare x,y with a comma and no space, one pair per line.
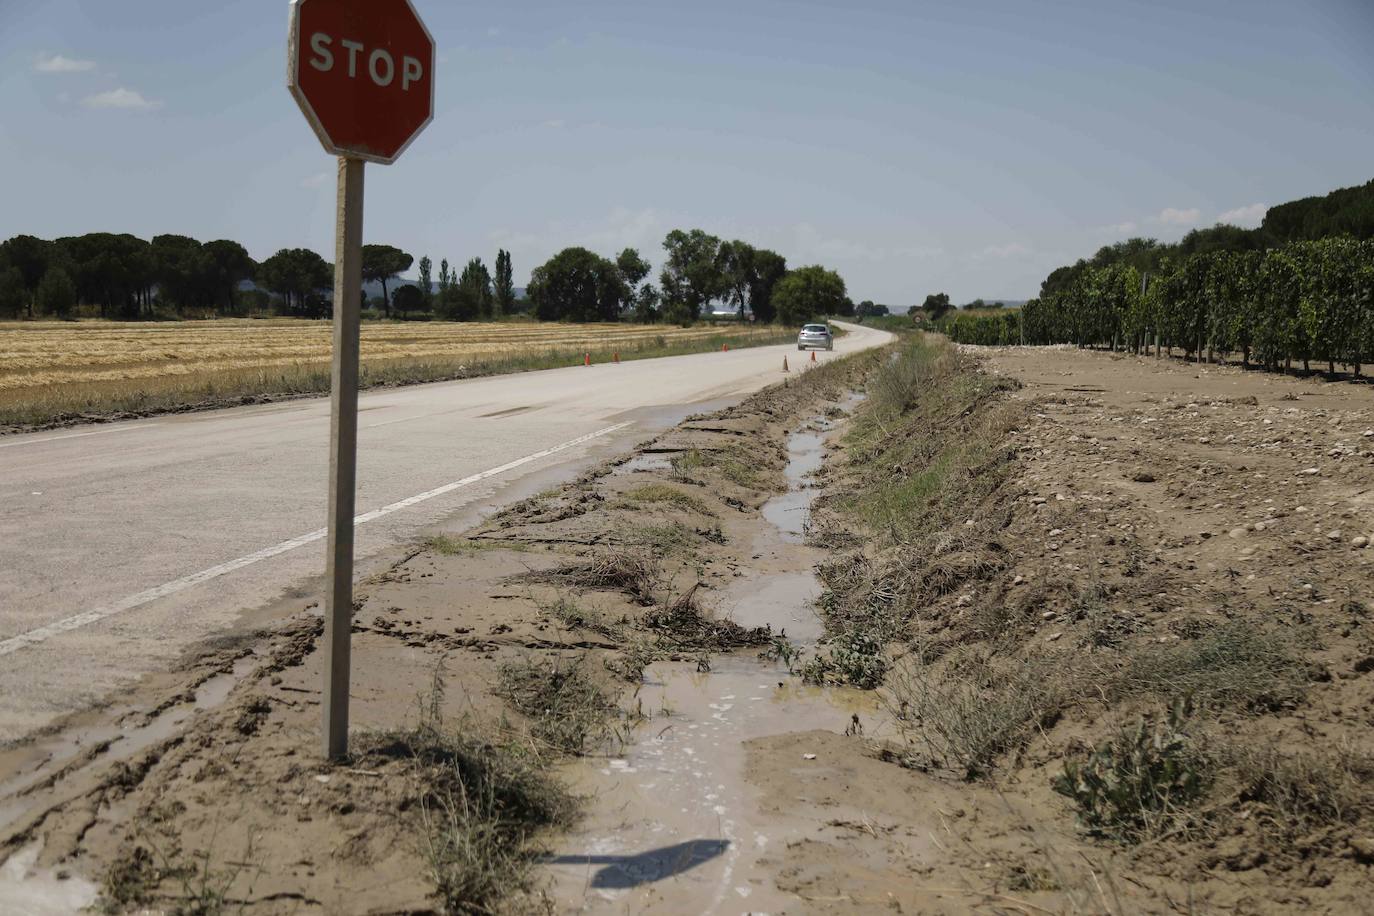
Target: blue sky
968,146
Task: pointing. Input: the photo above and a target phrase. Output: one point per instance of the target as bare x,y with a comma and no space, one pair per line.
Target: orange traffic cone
784,364
813,356
587,360
617,356
725,348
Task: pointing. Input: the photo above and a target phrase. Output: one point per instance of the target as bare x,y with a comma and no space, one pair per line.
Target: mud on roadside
472,655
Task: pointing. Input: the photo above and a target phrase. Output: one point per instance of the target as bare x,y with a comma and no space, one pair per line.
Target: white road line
36,636
98,432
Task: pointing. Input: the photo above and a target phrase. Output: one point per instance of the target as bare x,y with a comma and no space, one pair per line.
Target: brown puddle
674,824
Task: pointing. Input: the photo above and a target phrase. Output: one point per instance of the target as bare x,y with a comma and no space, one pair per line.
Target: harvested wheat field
53,373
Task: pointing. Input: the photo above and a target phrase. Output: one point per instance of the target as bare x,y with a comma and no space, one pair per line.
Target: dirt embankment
480,658
1127,605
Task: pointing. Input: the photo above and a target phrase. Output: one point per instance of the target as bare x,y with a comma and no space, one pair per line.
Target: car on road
815,336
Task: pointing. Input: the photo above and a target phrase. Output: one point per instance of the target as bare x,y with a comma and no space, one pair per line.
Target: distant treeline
1298,288
120,276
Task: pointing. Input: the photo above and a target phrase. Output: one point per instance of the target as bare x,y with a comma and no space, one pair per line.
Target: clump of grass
1234,664
663,494
965,713
855,659
1141,782
686,462
481,804
672,538
576,616
1297,793
634,572
568,710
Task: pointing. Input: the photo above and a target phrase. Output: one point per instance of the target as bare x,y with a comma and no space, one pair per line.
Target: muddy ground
1133,504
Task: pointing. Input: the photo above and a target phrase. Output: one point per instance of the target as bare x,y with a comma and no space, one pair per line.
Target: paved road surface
121,544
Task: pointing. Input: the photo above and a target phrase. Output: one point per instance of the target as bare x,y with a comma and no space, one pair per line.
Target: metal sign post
362,72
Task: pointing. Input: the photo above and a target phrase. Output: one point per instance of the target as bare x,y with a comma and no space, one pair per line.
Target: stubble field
54,373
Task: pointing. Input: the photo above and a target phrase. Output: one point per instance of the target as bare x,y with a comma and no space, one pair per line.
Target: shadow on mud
623,872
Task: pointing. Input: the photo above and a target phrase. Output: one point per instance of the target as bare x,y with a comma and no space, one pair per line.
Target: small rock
1359,543
1308,472
322,778
1363,847
1037,500
808,756
1054,637
1237,532
963,601
1143,477
1334,534
1048,615
1054,532
1019,579
1260,526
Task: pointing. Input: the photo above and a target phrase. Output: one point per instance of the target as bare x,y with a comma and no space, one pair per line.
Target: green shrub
1140,782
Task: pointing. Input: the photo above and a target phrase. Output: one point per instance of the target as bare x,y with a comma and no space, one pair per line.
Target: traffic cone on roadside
813,356
617,357
725,348
784,363
587,359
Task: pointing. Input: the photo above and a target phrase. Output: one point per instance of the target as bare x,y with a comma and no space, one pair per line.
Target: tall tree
807,293
30,256
230,265
298,275
446,278
633,269
691,277
737,267
426,282
382,263
504,283
184,273
769,268
577,285
56,292
473,292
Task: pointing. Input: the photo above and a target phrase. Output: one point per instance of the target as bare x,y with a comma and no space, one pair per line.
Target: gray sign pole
343,454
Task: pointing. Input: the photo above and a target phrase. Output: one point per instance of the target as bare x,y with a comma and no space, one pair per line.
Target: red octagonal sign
363,73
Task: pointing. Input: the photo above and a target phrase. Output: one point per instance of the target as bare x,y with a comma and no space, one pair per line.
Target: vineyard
1302,302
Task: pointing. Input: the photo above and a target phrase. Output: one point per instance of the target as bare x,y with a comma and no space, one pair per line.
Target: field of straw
60,372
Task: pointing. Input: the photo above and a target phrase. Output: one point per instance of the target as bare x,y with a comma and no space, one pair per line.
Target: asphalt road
122,544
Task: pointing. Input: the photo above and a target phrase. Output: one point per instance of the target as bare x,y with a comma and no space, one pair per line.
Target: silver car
815,336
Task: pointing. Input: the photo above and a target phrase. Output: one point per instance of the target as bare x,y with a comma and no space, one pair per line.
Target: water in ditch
674,825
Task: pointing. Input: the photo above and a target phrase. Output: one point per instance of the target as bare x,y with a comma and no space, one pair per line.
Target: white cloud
1003,252
1175,217
56,63
128,99
1125,228
1240,216
318,180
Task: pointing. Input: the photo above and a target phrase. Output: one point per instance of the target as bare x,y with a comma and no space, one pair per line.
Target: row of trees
120,274
699,269
1301,302
125,277
128,278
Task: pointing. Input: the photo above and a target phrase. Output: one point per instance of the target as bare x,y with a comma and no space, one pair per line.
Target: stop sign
363,73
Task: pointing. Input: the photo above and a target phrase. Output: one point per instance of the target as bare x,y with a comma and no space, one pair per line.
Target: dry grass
51,371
